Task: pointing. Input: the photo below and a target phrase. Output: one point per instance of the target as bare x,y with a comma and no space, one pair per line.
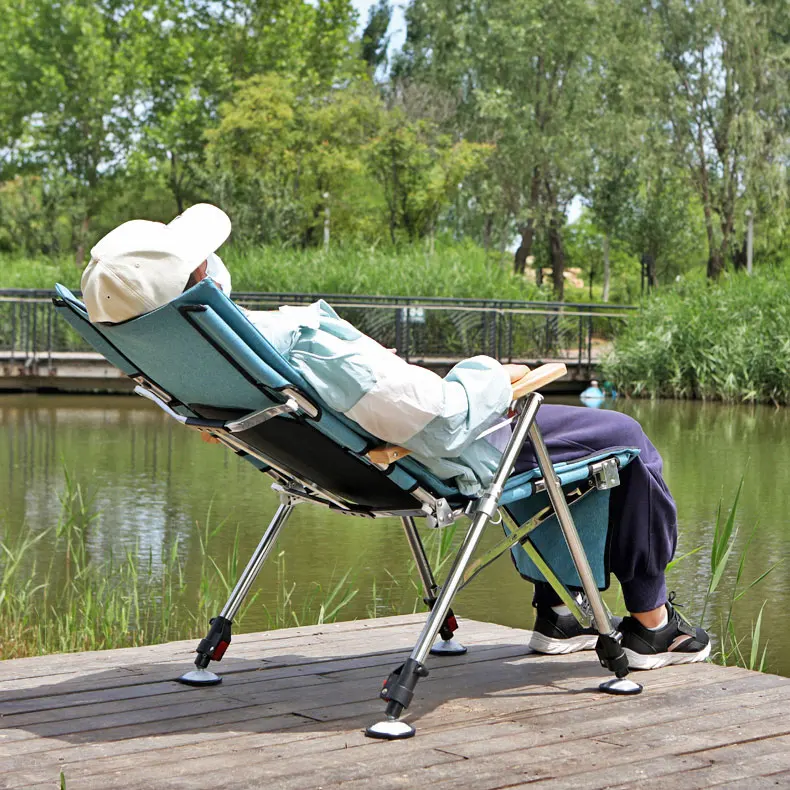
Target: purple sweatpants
642,512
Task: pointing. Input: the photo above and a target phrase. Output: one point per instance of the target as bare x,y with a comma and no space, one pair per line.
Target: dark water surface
156,482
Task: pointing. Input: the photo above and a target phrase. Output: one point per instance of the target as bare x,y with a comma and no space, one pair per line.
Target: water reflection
156,485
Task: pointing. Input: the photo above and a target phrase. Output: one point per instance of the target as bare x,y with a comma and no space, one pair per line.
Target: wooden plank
495,718
131,656
352,700
148,682
67,663
519,743
166,665
755,766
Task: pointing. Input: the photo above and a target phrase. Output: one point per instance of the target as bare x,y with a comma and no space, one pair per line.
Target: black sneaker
677,642
555,634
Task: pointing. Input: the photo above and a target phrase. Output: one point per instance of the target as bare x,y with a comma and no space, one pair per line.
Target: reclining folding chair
201,361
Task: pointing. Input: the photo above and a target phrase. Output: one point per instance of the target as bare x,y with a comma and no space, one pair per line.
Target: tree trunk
527,231
525,248
79,255
557,253
175,183
606,268
652,275
326,220
488,228
715,264
739,257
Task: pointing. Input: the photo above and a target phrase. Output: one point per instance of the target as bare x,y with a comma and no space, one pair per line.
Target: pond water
155,483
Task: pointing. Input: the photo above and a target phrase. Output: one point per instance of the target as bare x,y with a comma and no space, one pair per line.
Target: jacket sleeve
393,400
477,393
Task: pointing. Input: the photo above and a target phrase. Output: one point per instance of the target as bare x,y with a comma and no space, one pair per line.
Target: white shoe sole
541,643
659,660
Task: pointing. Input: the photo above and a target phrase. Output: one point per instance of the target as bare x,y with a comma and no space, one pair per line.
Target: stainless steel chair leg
446,644
216,642
399,688
609,648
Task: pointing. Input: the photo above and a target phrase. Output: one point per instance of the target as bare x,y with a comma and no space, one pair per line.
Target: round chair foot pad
448,647
200,677
620,686
390,730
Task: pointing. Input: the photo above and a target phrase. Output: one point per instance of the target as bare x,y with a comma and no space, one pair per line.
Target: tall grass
453,269
746,652
74,603
728,341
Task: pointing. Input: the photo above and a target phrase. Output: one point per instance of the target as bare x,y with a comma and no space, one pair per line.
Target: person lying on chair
143,265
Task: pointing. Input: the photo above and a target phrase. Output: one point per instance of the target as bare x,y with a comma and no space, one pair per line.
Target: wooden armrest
538,378
387,454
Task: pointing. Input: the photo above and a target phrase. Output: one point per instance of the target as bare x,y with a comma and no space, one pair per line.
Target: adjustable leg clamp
612,657
611,654
450,623
399,686
213,647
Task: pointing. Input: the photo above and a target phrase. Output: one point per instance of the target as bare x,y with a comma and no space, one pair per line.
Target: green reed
728,341
75,602
448,268
751,651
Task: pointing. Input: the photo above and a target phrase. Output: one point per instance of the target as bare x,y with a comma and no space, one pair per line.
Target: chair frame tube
603,623
266,544
399,688
485,510
429,584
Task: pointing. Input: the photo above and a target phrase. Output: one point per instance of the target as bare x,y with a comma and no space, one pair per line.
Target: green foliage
584,246
728,342
280,156
450,269
666,121
419,171
76,603
721,552
76,70
374,38
454,269
721,84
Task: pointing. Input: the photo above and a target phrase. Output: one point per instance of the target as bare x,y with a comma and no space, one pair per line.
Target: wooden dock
293,705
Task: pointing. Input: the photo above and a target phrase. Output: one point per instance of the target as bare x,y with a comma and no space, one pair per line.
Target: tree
374,37
523,73
279,150
420,171
724,95
81,71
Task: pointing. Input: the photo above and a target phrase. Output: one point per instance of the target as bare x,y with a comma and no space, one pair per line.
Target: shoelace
683,624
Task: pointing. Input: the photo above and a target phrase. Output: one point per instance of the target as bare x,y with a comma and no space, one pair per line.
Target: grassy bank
454,269
727,341
75,603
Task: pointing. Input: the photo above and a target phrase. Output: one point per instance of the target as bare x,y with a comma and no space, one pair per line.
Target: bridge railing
434,331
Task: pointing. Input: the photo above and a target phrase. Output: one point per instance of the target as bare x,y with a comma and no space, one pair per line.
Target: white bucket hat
143,265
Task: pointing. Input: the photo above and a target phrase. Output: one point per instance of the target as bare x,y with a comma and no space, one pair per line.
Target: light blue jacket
437,419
